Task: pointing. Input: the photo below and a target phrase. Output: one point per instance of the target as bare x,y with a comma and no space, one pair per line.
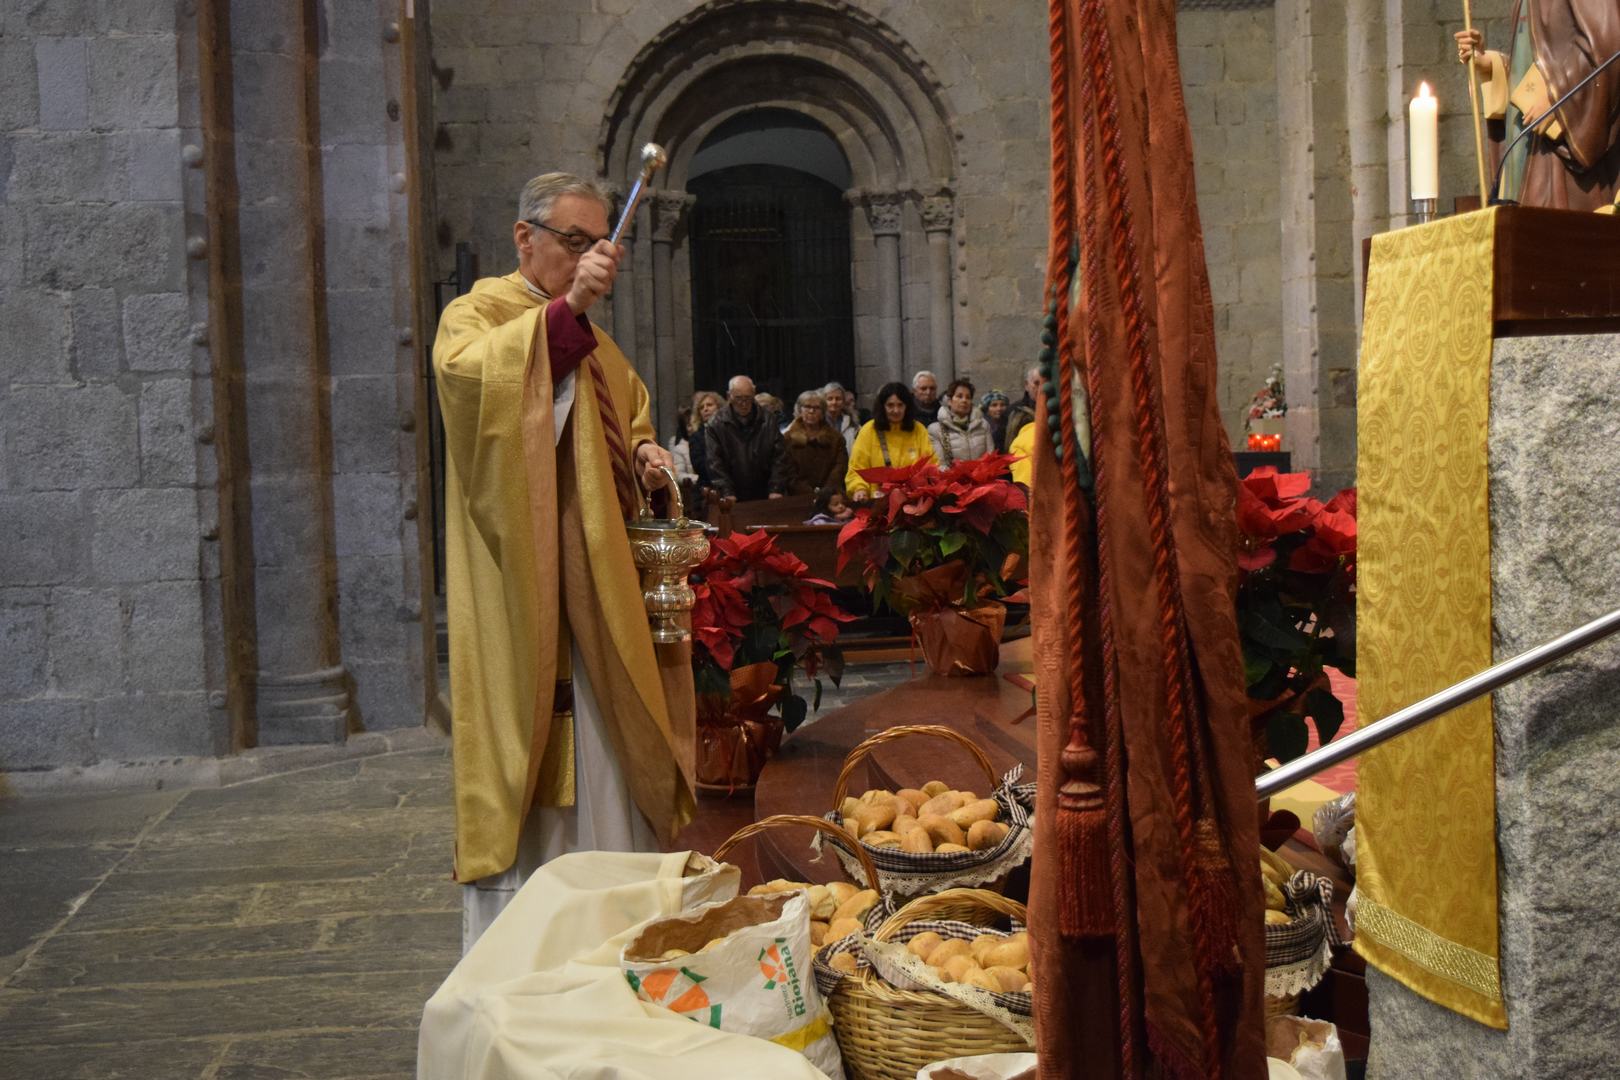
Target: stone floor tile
77,820
39,890
179,1059
365,1000
148,958
379,895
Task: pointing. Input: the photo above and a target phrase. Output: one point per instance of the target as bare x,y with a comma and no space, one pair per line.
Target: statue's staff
1473,105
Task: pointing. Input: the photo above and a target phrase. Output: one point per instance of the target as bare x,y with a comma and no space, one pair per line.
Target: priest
571,730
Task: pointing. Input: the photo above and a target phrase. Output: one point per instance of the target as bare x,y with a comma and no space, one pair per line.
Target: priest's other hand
651,459
593,276
1471,46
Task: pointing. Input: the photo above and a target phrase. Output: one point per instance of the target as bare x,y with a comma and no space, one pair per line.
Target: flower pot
736,735
960,641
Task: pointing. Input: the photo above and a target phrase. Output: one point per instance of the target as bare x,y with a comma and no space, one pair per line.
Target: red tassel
1214,899
1086,888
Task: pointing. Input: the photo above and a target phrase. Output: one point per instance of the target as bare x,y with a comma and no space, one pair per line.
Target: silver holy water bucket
665,551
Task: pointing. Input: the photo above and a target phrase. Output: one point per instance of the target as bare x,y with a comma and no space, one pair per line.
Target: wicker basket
885,1033
776,821
1299,952
913,874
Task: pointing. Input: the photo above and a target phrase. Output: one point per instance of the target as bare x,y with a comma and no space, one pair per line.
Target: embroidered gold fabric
1426,811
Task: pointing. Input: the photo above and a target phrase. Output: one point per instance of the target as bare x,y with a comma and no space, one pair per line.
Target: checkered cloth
908,874
1299,953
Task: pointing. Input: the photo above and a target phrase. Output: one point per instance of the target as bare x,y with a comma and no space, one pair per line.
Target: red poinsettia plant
933,537
757,604
1296,605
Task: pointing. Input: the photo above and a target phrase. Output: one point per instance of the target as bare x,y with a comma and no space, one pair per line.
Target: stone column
668,209
301,687
1554,464
883,216
938,212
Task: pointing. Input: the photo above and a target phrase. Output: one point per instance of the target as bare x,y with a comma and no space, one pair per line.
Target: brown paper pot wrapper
736,736
957,641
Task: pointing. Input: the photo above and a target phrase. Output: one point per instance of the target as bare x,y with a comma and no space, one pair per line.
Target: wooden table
994,711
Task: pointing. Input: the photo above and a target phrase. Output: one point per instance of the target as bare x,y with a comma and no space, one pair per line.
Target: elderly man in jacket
746,457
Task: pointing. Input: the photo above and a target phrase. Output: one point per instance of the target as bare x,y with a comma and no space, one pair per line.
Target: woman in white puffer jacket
961,433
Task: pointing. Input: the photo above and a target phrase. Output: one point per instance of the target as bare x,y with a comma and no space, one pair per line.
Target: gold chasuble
537,555
1426,809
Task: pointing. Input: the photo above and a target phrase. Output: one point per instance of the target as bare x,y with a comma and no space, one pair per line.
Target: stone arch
858,78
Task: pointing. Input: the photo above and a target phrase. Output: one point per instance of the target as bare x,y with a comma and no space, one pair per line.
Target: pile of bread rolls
929,820
998,962
837,910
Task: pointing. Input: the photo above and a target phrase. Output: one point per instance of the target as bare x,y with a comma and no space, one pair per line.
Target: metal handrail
1422,712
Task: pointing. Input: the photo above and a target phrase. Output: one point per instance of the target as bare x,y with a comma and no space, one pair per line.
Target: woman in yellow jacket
891,438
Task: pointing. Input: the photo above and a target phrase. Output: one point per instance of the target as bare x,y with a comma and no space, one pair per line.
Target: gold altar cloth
1426,812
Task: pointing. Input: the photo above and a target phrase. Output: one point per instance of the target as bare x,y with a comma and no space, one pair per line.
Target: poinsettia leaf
1266,632
1286,735
794,710
1326,712
951,543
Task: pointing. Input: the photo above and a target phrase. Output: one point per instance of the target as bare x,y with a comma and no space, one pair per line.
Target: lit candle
1423,118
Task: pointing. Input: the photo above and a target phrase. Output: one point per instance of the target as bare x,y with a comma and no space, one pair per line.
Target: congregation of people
746,445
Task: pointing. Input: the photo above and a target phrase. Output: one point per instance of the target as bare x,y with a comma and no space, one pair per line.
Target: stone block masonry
100,530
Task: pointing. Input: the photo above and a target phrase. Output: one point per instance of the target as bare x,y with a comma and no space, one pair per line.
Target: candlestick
1423,118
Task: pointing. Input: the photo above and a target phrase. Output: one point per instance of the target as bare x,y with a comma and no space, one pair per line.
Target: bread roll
979,810
981,978
857,905
849,806
983,944
842,890
882,838
875,815
947,949
950,849
942,829
1010,953
844,962
913,796
959,965
903,824
940,804
917,841
818,933
984,835
935,787
923,944
1011,980
842,928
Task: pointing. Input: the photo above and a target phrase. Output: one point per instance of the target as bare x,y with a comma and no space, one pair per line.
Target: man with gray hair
1023,410
746,457
572,730
925,392
840,407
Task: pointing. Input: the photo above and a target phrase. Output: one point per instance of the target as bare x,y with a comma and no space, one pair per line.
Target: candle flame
1423,90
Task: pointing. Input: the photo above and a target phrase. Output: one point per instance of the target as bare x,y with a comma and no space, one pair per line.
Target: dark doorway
770,280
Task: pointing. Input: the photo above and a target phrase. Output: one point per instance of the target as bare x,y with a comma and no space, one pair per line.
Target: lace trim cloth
1299,952
909,874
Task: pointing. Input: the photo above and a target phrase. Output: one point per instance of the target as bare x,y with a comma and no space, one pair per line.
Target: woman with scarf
994,405
960,433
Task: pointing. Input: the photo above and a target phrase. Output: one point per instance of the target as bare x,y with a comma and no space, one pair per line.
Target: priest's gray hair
535,203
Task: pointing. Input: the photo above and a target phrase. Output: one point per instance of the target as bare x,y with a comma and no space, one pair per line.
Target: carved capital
883,211
938,211
668,209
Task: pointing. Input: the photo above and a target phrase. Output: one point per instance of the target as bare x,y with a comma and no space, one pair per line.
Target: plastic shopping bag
741,966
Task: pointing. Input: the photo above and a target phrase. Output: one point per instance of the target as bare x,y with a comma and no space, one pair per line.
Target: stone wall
104,490
1229,77
162,568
